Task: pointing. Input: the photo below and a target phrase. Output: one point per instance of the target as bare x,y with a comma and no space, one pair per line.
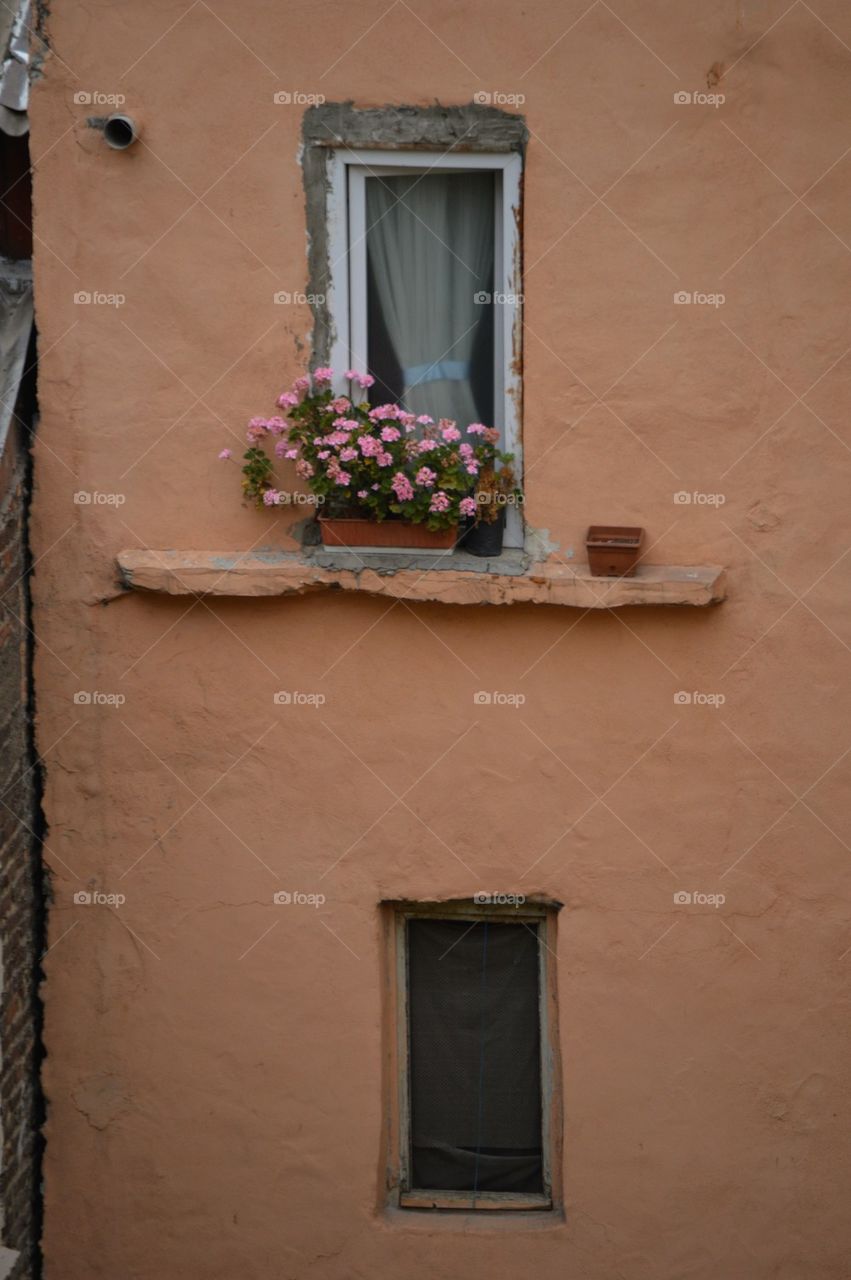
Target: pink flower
390,433
341,404
425,476
225,454
491,434
384,411
323,454
424,420
276,425
439,501
425,446
376,486
476,429
256,430
472,468
323,374
346,424
448,430
288,453
287,400
304,469
301,384
348,454
384,459
402,487
271,498
337,438
342,477
363,493
369,446
408,420
362,379
281,448
466,451
467,506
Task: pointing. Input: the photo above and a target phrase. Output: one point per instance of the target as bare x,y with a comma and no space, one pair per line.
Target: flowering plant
371,463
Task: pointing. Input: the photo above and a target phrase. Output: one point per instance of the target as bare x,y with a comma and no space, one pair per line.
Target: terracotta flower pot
613,550
345,532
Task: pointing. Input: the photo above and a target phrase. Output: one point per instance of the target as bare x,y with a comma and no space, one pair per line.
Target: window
474,1056
423,278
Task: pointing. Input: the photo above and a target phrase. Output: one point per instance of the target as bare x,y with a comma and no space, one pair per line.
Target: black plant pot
486,539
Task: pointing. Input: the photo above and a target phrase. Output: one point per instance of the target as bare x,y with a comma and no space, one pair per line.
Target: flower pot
354,532
483,539
613,550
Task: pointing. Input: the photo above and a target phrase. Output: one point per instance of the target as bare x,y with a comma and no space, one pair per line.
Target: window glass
475,1056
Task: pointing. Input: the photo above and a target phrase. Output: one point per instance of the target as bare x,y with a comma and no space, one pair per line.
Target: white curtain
430,246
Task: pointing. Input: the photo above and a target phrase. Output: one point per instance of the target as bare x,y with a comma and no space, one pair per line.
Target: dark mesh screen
475,1056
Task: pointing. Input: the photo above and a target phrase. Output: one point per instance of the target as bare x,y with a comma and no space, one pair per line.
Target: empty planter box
613,550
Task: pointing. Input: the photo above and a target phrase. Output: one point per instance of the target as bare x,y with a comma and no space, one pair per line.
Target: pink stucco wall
214,1069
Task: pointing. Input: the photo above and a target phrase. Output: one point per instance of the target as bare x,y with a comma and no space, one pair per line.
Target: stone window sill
448,578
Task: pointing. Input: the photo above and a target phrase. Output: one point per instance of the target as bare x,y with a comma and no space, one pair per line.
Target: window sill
448,578
501,1202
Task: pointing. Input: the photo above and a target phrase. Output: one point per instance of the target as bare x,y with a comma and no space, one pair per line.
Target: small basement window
475,1062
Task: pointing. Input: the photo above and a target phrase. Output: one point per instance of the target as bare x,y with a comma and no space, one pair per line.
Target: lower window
475,1063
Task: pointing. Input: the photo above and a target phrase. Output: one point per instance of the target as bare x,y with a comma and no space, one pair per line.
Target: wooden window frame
542,918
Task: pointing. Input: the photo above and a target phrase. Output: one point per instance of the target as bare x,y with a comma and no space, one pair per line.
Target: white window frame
346,298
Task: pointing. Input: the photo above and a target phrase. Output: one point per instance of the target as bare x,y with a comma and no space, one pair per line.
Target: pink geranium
323,374
402,487
426,477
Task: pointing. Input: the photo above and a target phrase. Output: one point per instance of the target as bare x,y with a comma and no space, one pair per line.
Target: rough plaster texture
214,1069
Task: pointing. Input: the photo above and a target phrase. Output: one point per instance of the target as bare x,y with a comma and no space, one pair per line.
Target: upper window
424,289
475,1094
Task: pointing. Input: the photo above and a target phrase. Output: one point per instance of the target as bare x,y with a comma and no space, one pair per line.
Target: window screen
430,272
475,1056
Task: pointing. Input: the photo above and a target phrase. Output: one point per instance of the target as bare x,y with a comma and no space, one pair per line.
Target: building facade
279,779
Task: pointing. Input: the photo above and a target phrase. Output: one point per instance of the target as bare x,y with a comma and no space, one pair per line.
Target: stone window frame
338,135
542,915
